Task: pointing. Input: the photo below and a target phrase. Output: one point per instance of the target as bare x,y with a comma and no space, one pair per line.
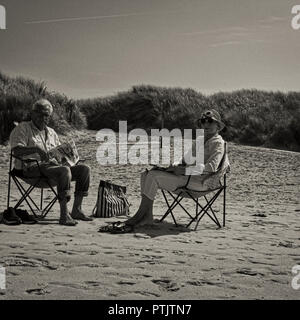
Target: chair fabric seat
42,182
39,182
187,193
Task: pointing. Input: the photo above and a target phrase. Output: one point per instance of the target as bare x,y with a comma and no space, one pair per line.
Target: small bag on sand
111,201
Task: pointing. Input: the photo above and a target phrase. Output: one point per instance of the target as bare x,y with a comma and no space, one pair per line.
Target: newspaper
65,154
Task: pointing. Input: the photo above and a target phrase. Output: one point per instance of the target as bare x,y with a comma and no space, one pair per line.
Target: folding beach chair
41,182
210,196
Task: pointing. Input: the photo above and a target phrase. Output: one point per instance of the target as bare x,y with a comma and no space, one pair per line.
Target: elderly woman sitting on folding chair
174,177
34,139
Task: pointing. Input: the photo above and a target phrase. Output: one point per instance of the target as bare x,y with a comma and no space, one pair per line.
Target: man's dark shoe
25,217
10,217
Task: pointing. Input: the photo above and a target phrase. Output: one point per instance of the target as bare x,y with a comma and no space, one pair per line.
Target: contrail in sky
87,18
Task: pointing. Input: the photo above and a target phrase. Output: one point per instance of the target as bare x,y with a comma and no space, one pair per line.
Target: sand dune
251,258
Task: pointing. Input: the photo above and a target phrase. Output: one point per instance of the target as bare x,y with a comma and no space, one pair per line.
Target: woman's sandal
106,228
123,228
109,227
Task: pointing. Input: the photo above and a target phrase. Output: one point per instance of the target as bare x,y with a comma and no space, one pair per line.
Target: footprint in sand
151,259
248,272
23,261
217,283
144,275
109,252
68,285
278,281
145,293
180,261
92,265
261,262
126,282
261,215
146,261
166,284
66,252
201,282
93,283
38,291
179,252
141,236
286,244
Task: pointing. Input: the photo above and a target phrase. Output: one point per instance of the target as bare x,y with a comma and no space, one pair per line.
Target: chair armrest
29,160
25,160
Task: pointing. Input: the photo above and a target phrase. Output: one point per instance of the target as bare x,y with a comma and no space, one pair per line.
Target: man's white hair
43,104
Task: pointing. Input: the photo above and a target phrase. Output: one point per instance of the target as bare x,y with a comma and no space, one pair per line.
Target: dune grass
252,117
17,96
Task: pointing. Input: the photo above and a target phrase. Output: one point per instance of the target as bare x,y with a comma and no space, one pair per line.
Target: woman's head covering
213,114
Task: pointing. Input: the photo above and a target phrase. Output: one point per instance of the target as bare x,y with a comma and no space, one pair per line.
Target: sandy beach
251,258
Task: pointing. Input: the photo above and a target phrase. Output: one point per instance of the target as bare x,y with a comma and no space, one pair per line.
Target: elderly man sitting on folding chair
174,177
34,139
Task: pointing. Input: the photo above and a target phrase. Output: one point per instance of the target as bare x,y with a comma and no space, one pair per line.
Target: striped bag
111,201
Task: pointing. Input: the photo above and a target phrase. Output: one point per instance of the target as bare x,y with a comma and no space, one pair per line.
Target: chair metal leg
224,200
213,212
201,210
8,191
178,203
51,203
170,207
9,180
204,210
48,207
41,203
25,194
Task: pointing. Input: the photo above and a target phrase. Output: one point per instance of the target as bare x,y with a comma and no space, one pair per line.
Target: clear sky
92,48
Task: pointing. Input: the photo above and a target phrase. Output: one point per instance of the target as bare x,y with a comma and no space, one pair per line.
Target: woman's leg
144,211
146,204
151,181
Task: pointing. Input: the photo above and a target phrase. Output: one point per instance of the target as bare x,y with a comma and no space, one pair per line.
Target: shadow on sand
155,230
161,229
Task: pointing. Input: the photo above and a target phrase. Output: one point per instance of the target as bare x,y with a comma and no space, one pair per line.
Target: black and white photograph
182,119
